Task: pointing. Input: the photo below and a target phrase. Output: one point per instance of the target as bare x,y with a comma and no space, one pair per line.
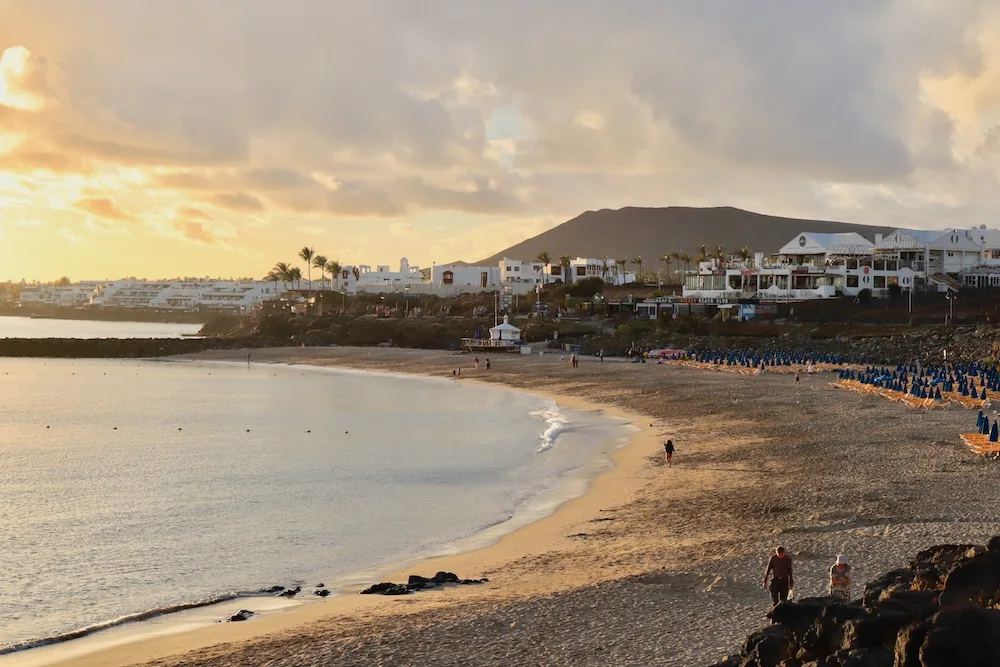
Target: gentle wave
556,423
122,620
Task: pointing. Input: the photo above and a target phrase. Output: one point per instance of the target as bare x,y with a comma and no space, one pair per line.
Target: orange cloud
240,202
103,207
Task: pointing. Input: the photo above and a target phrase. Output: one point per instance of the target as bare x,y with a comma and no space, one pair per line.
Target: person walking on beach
779,571
477,363
797,377
248,358
601,355
840,578
668,452
488,365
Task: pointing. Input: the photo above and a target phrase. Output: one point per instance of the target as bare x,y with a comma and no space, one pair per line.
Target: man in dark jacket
779,571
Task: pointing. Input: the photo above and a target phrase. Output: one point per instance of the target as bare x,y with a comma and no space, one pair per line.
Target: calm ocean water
130,486
27,327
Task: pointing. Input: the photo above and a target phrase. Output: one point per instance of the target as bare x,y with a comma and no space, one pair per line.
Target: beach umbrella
979,420
994,433
937,393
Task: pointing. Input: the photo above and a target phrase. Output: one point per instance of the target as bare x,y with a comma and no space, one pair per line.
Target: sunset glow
132,145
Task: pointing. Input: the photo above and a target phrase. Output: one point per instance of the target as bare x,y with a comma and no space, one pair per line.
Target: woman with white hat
840,578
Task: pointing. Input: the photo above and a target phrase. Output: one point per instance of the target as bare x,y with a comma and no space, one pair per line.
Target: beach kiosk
504,337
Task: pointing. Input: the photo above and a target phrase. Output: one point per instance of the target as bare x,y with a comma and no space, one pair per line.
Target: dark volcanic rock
322,593
941,611
241,615
291,592
386,588
973,582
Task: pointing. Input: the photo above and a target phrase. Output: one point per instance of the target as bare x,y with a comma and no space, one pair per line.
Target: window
517,268
581,270
484,279
852,281
951,254
879,282
448,277
556,271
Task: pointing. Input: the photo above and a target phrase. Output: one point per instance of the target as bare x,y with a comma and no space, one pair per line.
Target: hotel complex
810,266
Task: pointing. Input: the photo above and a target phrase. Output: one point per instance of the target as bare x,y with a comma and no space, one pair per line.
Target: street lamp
406,290
343,300
951,306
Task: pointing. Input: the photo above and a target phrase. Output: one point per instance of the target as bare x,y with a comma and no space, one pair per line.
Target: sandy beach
653,566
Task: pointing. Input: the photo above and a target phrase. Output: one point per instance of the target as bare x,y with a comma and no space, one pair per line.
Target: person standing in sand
488,364
779,571
797,377
668,452
477,363
840,578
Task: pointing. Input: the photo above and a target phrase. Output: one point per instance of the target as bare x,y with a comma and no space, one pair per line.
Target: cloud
318,111
196,231
103,207
70,237
238,201
194,214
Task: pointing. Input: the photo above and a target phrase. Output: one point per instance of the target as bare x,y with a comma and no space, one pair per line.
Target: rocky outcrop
938,612
418,583
241,615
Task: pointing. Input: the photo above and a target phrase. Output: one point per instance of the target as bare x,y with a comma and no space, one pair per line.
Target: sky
165,138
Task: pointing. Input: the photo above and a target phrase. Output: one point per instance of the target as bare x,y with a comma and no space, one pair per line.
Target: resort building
611,271
522,277
69,296
809,266
461,278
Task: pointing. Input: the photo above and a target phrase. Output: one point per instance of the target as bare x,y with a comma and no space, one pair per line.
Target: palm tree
744,253
274,276
565,262
333,266
639,278
621,270
685,257
666,263
319,261
676,256
604,267
282,270
720,253
702,252
307,255
545,258
295,274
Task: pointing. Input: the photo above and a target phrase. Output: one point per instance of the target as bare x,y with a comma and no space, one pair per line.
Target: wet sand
653,565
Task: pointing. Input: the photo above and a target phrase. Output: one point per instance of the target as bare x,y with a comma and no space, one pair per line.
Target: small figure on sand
798,376
779,571
488,364
573,361
600,355
477,363
668,452
840,578
810,369
248,358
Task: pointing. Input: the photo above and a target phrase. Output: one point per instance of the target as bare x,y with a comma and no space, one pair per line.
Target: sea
39,327
132,490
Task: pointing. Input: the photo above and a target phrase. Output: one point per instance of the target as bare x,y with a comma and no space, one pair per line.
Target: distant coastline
107,314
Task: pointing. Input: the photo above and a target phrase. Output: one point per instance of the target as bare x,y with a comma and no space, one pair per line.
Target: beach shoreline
142,641
652,566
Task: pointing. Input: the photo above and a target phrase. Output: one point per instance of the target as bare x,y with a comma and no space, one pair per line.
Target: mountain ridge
652,232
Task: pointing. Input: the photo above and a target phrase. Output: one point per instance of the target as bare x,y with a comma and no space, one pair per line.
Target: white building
69,296
810,266
941,254
522,277
383,277
186,295
460,278
608,270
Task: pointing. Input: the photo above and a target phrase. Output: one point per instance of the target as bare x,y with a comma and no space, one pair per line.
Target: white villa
816,266
178,295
